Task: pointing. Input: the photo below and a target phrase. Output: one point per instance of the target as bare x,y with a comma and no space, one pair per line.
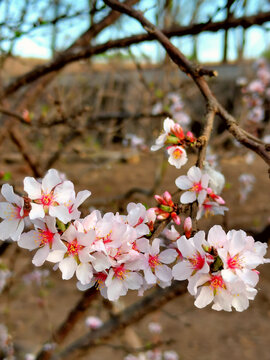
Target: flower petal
32,187
50,180
183,182
68,267
188,197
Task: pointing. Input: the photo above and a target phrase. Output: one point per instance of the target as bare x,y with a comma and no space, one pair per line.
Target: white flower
171,234
137,217
49,196
177,156
196,183
13,214
70,210
240,256
76,256
160,141
194,260
155,268
210,207
216,179
120,279
45,238
213,289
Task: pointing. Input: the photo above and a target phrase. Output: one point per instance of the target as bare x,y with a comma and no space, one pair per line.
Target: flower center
197,261
18,213
119,272
46,199
100,280
153,261
177,153
45,237
217,282
197,187
234,262
73,248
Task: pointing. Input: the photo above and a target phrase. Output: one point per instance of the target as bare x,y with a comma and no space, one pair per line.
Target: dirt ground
32,312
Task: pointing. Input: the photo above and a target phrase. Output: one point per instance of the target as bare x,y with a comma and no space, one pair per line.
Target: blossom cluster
220,269
114,252
176,141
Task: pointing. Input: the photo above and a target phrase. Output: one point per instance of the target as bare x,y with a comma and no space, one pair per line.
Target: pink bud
190,136
188,227
160,199
168,198
163,216
178,131
219,200
176,218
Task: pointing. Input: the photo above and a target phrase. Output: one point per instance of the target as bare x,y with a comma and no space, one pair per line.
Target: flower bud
188,227
176,218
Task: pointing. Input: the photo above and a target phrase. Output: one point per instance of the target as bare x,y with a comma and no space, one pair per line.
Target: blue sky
210,44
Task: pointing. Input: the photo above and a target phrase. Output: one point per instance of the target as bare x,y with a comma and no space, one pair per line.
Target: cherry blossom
196,183
117,253
49,196
188,227
13,212
177,156
120,279
45,238
76,255
194,260
168,124
156,268
210,207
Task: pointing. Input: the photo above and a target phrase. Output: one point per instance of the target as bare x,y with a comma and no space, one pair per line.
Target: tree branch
132,314
73,317
194,72
80,51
